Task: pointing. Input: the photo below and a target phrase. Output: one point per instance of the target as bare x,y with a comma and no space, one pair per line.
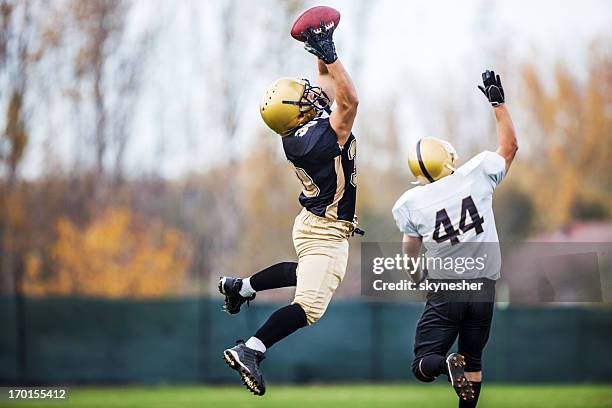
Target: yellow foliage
573,123
116,255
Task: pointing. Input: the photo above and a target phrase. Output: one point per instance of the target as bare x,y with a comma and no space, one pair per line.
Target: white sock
255,344
247,290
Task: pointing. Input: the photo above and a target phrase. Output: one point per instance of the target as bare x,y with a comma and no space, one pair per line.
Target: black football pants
451,314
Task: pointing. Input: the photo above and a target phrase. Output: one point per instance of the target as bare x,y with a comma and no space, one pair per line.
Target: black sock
281,275
433,366
472,403
281,324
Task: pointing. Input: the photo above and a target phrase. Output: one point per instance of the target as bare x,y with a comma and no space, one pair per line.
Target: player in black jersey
320,146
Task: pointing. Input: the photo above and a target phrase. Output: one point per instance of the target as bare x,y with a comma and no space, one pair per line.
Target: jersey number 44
443,221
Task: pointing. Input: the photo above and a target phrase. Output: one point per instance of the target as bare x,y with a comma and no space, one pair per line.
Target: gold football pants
322,248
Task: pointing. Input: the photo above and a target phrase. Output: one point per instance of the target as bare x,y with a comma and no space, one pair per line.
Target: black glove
492,88
321,44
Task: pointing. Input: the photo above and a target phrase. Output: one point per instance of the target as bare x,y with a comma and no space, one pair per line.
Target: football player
451,213
320,146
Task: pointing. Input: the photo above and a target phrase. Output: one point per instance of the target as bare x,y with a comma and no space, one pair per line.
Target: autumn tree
571,123
107,73
117,255
23,44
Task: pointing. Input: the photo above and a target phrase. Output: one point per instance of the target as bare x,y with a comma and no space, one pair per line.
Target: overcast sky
409,53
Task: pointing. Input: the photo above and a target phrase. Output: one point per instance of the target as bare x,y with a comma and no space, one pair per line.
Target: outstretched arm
331,70
506,136
343,117
325,81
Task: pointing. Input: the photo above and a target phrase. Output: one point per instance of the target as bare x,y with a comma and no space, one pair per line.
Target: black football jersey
327,172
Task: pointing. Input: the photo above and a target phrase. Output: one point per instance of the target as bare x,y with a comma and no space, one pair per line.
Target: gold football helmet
290,103
431,159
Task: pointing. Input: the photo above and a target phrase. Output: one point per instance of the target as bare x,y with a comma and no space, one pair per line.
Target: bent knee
312,318
313,311
418,374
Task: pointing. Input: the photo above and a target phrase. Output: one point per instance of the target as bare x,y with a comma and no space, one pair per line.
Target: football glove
321,44
492,88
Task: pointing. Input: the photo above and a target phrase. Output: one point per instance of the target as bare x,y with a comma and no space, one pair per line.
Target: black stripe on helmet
421,164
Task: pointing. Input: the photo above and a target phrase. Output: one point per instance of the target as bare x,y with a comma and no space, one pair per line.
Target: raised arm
343,117
332,72
325,81
506,135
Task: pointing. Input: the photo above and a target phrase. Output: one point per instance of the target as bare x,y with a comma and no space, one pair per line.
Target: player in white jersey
450,216
456,208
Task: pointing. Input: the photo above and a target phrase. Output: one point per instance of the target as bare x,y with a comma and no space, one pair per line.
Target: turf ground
337,396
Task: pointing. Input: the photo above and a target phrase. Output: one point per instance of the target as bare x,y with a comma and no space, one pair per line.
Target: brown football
312,18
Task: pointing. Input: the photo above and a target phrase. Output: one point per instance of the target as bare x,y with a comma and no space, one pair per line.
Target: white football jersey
454,216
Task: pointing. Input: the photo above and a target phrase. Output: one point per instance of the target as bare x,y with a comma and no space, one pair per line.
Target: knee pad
416,370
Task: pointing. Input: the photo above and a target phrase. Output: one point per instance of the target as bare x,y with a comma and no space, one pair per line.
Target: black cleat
230,288
246,362
455,363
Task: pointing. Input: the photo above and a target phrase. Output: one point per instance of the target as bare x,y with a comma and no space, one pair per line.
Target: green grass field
336,396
